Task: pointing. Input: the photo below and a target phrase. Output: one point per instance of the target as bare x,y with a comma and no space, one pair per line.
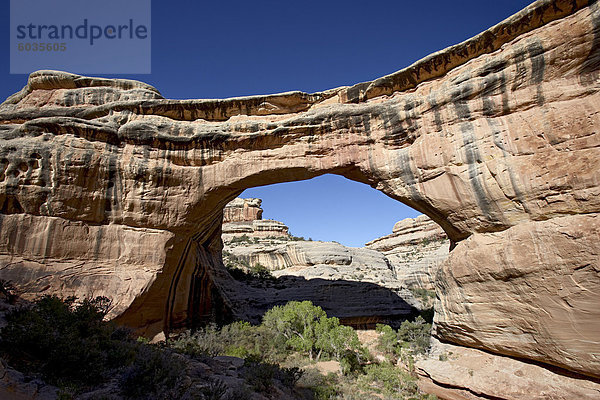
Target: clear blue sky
213,49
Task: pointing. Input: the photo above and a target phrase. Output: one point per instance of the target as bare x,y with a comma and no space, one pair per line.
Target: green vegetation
306,329
423,294
241,239
299,334
239,339
256,272
299,238
67,343
411,338
240,269
390,381
154,373
297,327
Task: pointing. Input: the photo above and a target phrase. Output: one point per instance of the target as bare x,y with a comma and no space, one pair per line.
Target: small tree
297,322
417,334
388,339
336,339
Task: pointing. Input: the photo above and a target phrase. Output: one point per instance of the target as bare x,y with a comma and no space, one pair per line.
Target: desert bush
426,296
388,380
69,344
306,328
297,323
259,375
204,342
289,376
154,374
388,341
322,387
241,239
216,389
241,270
259,271
239,339
415,334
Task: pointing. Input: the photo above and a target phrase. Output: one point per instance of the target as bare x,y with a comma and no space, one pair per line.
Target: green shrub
322,387
416,334
240,269
68,344
214,390
241,239
259,375
388,342
204,342
350,363
389,380
297,323
259,271
306,328
426,296
239,339
154,374
290,376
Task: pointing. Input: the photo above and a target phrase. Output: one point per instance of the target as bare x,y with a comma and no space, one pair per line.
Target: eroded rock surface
461,373
415,250
531,290
242,218
106,188
285,256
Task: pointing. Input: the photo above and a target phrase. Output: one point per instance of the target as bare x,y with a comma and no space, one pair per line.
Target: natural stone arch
104,184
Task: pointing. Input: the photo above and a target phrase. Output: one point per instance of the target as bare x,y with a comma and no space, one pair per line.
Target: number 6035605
42,47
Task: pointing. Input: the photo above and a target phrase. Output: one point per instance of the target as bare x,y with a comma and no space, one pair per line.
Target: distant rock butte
242,210
107,188
244,217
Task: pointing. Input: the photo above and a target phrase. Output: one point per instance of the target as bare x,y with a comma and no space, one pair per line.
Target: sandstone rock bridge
107,188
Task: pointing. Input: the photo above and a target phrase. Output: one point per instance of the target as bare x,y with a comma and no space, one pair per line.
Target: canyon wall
409,258
415,250
358,285
106,188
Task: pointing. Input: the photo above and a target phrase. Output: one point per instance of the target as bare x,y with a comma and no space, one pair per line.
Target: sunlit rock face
242,210
405,260
415,250
243,218
357,285
106,188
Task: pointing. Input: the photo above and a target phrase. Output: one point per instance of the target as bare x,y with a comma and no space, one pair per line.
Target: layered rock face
242,210
415,250
244,217
417,246
106,188
357,285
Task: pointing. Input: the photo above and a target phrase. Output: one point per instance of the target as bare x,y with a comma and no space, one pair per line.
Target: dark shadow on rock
358,304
